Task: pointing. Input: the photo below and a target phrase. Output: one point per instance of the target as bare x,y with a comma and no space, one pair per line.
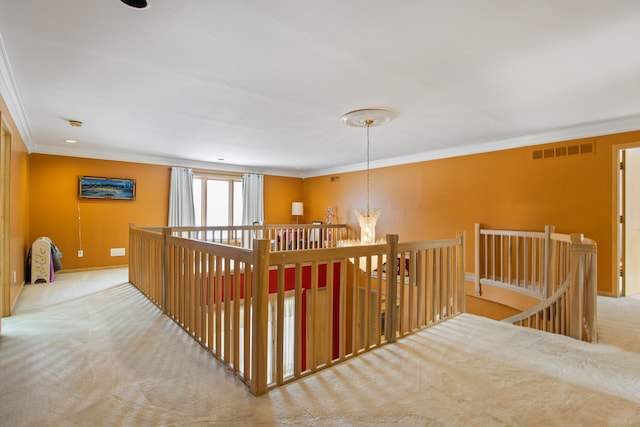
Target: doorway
628,214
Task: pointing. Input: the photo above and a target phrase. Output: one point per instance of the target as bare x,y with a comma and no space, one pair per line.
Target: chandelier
368,218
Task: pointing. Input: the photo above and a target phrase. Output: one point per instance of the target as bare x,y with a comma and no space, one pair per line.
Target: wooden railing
282,237
146,262
558,269
307,309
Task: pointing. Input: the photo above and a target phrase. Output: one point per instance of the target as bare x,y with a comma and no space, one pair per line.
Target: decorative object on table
329,215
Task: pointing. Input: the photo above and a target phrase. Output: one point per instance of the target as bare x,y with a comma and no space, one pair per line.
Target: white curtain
252,199
181,208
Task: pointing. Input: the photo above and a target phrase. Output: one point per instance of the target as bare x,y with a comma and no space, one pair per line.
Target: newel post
166,258
548,229
133,254
260,316
592,294
478,290
576,288
392,292
462,279
584,290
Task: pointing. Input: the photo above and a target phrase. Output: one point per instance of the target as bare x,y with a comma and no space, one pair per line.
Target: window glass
197,200
217,202
237,203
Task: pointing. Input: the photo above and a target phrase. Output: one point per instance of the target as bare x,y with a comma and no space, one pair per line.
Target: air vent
586,148
565,150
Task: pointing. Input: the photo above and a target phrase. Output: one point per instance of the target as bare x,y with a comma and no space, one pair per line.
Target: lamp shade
297,208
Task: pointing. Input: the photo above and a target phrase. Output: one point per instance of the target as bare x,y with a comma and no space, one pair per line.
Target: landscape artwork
91,187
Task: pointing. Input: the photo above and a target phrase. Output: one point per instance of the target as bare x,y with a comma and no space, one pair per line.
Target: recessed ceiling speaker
138,4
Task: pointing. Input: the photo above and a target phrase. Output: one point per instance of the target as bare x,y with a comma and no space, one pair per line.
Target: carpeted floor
110,358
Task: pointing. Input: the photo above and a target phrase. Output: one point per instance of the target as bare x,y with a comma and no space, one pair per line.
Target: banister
566,277
220,295
390,333
477,288
259,302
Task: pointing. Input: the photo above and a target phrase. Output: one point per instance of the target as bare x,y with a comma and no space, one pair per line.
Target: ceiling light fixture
138,4
367,118
76,123
70,141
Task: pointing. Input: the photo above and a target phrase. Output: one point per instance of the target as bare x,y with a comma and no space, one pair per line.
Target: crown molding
623,124
11,96
157,160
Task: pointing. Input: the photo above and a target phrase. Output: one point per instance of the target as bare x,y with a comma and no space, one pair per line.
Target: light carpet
111,358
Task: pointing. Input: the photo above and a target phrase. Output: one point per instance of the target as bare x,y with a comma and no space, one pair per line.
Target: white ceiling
263,84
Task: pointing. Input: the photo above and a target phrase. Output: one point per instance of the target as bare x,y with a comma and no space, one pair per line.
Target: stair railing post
583,310
477,288
260,316
548,229
166,233
392,292
461,269
592,293
576,288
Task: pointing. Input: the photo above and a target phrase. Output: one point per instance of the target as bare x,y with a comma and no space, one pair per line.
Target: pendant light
368,218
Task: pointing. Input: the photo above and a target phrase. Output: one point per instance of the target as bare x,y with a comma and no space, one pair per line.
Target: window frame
231,180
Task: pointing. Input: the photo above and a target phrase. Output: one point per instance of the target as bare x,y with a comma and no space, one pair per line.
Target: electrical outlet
15,277
80,253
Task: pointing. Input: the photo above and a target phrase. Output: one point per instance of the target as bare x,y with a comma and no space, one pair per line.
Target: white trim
9,91
624,124
155,160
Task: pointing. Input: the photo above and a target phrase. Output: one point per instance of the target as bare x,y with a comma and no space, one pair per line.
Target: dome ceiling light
138,4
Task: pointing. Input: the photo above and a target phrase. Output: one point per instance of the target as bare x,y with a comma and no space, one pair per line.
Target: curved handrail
542,313
559,269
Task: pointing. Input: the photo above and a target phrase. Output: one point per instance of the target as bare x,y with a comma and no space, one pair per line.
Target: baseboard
606,294
15,301
77,270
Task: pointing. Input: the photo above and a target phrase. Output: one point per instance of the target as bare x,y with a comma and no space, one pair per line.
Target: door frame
618,232
5,194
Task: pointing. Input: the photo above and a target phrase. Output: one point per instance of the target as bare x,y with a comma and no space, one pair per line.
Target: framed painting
92,187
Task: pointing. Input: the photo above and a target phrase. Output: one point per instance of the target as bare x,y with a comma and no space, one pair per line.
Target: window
217,199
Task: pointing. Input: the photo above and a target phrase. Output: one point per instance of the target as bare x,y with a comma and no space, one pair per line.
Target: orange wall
57,212
425,200
18,205
504,189
104,223
279,192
